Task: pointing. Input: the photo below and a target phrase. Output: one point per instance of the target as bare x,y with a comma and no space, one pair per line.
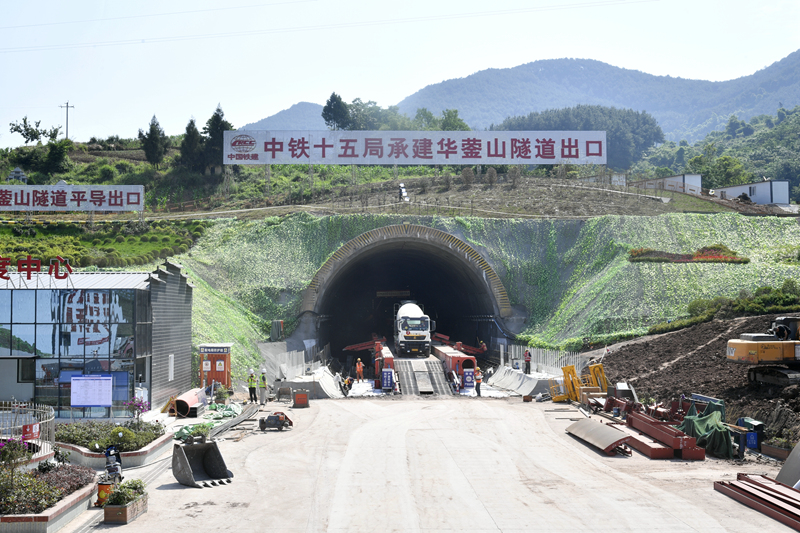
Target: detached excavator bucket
199,465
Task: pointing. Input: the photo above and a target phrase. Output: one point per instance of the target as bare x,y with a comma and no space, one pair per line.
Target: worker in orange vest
360,370
478,380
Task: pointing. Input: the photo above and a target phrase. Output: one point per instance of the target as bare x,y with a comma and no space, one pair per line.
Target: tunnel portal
354,293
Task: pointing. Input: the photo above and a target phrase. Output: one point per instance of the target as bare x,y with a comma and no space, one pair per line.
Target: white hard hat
251,370
263,371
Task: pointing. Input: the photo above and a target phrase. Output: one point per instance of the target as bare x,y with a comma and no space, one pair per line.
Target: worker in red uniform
359,370
527,362
478,380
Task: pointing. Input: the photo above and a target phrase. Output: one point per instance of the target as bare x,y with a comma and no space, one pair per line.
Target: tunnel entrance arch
353,293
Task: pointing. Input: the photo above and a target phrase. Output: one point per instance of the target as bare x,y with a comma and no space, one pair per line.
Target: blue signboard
469,378
387,379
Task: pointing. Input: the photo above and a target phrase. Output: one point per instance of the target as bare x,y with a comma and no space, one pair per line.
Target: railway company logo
243,144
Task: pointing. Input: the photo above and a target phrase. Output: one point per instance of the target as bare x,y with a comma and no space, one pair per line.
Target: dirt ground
693,360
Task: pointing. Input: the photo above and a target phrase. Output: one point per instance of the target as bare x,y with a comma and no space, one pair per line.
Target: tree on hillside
452,122
155,143
628,133
720,171
192,156
425,120
336,113
213,130
32,132
364,115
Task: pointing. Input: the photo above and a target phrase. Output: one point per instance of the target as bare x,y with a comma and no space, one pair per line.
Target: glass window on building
144,340
23,307
144,313
5,307
122,306
47,307
97,340
48,340
23,340
5,339
97,306
71,306
72,340
26,370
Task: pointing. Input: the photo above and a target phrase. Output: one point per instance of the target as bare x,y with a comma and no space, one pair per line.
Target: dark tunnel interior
442,282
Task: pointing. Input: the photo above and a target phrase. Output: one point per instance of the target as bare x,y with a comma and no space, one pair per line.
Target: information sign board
342,147
206,366
93,390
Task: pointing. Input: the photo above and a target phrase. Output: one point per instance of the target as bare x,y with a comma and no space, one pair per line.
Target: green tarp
710,433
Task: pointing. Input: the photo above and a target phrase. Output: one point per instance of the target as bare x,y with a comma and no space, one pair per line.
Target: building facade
761,192
133,326
687,183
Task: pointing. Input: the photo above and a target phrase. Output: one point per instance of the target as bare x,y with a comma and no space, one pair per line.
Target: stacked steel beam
766,495
683,445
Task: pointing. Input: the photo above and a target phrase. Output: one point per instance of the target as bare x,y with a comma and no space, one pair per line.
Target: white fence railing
546,361
33,422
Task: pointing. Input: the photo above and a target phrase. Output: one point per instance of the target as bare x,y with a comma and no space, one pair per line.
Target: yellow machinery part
763,352
557,392
572,383
598,377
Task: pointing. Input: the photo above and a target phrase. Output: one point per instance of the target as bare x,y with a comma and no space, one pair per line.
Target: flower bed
135,435
33,492
717,253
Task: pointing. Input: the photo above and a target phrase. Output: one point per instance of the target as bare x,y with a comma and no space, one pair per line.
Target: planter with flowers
126,503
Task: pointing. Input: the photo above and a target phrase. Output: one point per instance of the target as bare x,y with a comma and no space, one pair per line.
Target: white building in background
760,192
688,183
620,180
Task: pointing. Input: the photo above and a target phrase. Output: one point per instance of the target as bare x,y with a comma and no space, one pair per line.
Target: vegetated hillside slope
572,276
685,109
301,116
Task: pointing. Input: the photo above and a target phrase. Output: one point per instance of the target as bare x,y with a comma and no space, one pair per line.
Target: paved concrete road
458,464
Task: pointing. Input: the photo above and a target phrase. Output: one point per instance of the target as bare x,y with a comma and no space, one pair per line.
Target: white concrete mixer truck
412,330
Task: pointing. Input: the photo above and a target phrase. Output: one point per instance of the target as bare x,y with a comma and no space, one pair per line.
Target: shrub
97,242
165,239
68,478
491,176
126,492
29,495
197,235
467,176
119,238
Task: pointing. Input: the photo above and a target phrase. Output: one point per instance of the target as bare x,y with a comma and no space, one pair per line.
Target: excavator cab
778,346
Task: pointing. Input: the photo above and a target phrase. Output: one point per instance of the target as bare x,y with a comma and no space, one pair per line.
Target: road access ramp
199,465
418,377
514,380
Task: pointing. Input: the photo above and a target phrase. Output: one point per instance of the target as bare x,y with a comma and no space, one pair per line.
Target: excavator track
774,374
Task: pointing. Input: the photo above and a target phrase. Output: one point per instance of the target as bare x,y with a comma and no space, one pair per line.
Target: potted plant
126,503
221,395
777,447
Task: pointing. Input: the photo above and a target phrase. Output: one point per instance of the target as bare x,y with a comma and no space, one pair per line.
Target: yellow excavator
764,351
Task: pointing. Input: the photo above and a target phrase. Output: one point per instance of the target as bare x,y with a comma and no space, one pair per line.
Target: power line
343,25
60,23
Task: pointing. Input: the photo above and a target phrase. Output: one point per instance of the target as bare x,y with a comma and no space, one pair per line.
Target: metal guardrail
546,361
33,422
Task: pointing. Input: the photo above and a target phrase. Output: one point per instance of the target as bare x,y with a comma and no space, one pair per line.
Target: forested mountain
301,116
685,109
628,133
766,146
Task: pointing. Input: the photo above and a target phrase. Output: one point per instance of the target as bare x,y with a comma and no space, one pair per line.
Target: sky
121,63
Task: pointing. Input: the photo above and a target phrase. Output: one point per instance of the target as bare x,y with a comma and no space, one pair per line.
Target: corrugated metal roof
78,280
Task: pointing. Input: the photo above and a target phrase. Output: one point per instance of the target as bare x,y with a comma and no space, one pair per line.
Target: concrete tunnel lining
439,270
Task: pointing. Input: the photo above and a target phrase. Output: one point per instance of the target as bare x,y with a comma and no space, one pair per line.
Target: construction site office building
134,326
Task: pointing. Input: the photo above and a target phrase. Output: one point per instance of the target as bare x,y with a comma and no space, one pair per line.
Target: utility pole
67,106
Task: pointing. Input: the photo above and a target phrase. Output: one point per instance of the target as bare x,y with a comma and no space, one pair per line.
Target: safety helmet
477,368
359,359
252,371
263,371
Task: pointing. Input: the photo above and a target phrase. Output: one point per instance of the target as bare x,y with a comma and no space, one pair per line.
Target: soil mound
692,360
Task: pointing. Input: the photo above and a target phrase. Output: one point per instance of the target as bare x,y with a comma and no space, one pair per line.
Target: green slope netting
572,275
